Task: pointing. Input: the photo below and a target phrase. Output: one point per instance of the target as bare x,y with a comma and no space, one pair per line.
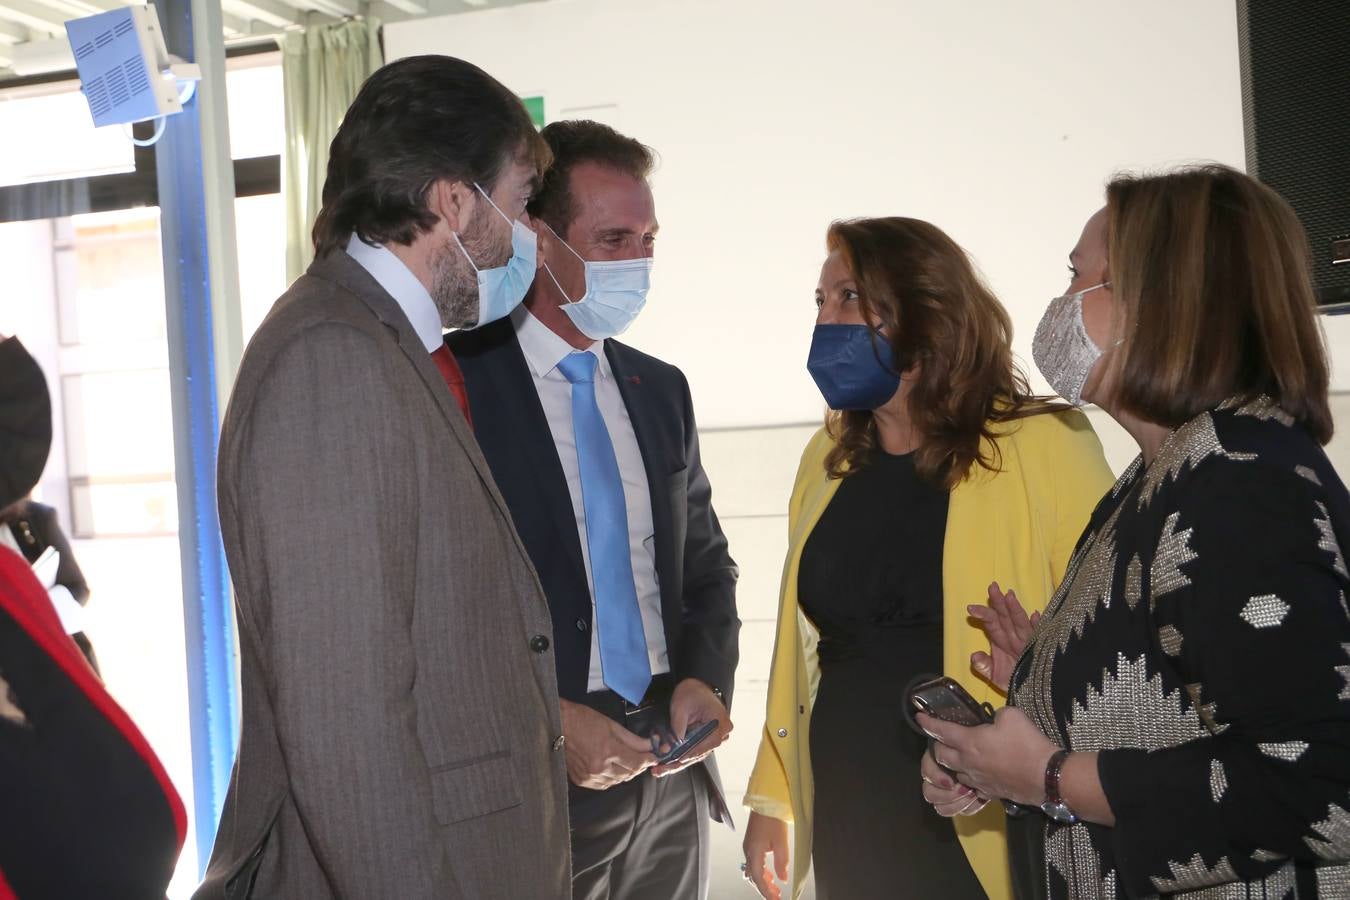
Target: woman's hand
766,836
1009,628
948,796
1005,759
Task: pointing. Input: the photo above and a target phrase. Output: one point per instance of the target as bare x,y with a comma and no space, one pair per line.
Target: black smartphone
944,698
691,739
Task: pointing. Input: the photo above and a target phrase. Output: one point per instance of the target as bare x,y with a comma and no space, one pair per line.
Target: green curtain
322,68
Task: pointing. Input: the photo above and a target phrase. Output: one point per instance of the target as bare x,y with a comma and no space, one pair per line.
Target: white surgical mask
502,288
1062,349
616,291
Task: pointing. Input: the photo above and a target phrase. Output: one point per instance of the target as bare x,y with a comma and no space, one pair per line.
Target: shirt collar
400,283
544,349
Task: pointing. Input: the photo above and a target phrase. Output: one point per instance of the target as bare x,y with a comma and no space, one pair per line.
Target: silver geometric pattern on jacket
1188,446
1174,551
1194,873
1344,671
1086,586
1132,709
1333,841
1265,611
1278,885
1327,539
1218,780
1068,848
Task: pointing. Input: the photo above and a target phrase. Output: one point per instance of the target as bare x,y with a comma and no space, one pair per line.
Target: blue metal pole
184,160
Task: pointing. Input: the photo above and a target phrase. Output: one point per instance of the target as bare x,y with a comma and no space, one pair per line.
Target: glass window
260,228
257,107
50,135
110,278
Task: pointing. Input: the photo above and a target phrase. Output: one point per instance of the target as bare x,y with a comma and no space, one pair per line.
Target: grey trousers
647,839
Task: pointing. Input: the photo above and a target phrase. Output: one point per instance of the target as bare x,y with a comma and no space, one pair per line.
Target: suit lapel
341,269
519,397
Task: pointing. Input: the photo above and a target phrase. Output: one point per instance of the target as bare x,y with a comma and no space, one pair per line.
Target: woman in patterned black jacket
1181,714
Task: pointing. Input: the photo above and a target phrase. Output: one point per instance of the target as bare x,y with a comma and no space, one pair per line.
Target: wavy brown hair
1213,269
939,314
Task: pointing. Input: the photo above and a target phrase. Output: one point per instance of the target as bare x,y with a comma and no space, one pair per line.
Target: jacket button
539,644
559,742
782,732
582,626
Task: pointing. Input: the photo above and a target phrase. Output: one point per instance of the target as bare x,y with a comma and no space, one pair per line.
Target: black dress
1200,644
871,582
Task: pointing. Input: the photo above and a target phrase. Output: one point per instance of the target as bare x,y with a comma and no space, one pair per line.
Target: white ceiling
36,22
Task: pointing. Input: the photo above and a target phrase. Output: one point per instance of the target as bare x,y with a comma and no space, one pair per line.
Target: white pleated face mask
1062,349
616,292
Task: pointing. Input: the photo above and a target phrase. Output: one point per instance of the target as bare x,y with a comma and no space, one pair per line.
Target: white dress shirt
400,283
543,351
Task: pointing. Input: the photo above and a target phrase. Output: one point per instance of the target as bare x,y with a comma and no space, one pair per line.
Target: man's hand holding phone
601,753
692,705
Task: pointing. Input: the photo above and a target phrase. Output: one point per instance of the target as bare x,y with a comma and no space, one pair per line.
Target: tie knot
579,367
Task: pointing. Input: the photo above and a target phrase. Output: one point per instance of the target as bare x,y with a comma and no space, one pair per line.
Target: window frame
128,190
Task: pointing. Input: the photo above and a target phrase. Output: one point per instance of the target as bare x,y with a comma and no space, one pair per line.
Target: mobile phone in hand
680,749
943,698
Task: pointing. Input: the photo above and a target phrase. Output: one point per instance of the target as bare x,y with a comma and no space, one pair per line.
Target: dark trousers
645,839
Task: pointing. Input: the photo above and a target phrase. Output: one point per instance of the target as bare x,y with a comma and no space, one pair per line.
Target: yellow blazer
1017,527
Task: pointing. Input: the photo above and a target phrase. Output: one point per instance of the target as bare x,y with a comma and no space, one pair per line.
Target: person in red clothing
88,808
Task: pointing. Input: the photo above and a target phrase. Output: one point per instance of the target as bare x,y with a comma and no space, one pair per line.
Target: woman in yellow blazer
936,476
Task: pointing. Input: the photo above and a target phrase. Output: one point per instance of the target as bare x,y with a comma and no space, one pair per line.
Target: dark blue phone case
691,739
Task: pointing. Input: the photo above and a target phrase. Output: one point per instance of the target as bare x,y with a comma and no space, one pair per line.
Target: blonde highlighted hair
1211,275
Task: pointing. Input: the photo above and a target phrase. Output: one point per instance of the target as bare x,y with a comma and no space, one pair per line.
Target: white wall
997,121
1000,122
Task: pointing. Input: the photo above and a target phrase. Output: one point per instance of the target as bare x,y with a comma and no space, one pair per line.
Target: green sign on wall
535,107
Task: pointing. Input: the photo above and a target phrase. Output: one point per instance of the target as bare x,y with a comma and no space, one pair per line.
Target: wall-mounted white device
125,71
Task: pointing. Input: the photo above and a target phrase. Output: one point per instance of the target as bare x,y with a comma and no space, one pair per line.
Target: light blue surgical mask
616,291
502,288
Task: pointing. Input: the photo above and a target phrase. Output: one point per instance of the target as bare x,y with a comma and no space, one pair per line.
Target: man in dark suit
594,447
401,735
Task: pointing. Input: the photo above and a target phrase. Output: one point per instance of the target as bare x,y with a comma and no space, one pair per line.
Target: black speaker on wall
1296,114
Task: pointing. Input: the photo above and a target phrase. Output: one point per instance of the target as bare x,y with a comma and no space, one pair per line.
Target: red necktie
454,378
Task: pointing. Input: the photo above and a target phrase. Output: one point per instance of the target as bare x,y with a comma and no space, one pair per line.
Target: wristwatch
1054,805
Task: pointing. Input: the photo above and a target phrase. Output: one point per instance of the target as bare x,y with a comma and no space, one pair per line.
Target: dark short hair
576,141
415,122
1211,269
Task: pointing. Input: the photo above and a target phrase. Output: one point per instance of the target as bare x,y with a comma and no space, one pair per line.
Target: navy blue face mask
852,370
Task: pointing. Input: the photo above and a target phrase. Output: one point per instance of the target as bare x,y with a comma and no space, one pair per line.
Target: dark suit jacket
400,729
697,576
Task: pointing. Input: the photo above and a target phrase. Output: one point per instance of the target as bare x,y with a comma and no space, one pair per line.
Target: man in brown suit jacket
401,735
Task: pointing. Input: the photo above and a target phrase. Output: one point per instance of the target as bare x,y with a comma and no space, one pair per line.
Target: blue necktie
623,645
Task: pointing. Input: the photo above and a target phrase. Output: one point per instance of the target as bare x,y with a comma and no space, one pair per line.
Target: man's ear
548,244
453,202
541,237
